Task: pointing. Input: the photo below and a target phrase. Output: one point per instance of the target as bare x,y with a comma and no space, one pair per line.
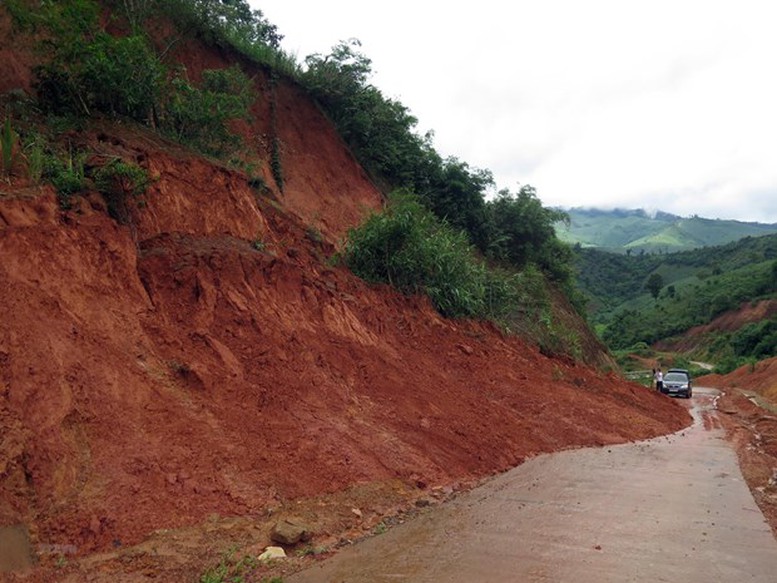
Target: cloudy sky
668,105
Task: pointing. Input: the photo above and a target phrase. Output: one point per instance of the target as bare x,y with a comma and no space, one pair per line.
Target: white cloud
661,104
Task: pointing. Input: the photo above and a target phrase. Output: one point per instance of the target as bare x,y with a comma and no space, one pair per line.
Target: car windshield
675,377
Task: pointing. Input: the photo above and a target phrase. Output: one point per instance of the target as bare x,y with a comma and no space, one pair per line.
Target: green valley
636,300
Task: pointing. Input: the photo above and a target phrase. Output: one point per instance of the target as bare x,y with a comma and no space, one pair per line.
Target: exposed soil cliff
760,377
206,360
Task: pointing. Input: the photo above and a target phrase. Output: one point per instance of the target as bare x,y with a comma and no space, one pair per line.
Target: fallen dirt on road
748,411
752,428
673,508
171,387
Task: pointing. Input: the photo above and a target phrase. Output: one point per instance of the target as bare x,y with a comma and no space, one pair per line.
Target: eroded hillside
205,359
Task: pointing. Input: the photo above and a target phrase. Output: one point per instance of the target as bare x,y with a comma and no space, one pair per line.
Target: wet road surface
672,509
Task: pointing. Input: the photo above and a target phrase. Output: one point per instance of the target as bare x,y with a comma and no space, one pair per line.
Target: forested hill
612,279
651,297
637,230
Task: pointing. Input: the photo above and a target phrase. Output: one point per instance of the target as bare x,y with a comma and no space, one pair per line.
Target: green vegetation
231,24
610,280
309,550
752,342
638,300
88,71
229,569
694,303
35,155
409,248
654,284
198,117
637,232
512,230
8,143
379,130
119,182
520,233
65,170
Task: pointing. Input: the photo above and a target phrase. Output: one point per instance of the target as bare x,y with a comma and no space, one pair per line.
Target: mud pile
760,377
207,359
154,379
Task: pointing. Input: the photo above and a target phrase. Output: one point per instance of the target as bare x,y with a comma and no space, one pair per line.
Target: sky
661,105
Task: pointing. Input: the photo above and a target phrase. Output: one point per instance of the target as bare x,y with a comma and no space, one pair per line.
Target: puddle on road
15,550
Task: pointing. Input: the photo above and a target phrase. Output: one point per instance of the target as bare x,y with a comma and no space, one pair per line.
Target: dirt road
672,509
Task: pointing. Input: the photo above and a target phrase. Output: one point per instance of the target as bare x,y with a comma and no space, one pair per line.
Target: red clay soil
149,387
760,377
204,369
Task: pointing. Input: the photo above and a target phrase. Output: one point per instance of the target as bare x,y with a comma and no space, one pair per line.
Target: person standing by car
659,381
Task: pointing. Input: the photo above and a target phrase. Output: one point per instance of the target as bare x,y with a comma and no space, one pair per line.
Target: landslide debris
178,381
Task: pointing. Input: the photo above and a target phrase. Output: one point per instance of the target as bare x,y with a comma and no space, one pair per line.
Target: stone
465,349
271,553
287,532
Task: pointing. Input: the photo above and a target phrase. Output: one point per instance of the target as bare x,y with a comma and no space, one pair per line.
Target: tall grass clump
66,171
8,144
408,247
121,182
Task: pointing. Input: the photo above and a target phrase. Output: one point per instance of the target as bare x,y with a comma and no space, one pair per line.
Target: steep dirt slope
149,386
207,360
760,377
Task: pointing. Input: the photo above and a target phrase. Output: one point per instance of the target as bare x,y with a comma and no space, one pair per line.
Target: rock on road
672,509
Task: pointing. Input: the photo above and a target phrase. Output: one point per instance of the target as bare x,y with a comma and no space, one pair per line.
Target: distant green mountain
637,230
694,287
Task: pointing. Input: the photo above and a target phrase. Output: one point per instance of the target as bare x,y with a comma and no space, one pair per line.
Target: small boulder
271,553
286,532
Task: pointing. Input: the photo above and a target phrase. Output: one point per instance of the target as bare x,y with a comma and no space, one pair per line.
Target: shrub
231,22
727,365
116,76
36,159
407,247
124,76
199,116
119,181
66,172
88,70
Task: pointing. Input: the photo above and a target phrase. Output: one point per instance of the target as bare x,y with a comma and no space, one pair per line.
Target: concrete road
671,509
